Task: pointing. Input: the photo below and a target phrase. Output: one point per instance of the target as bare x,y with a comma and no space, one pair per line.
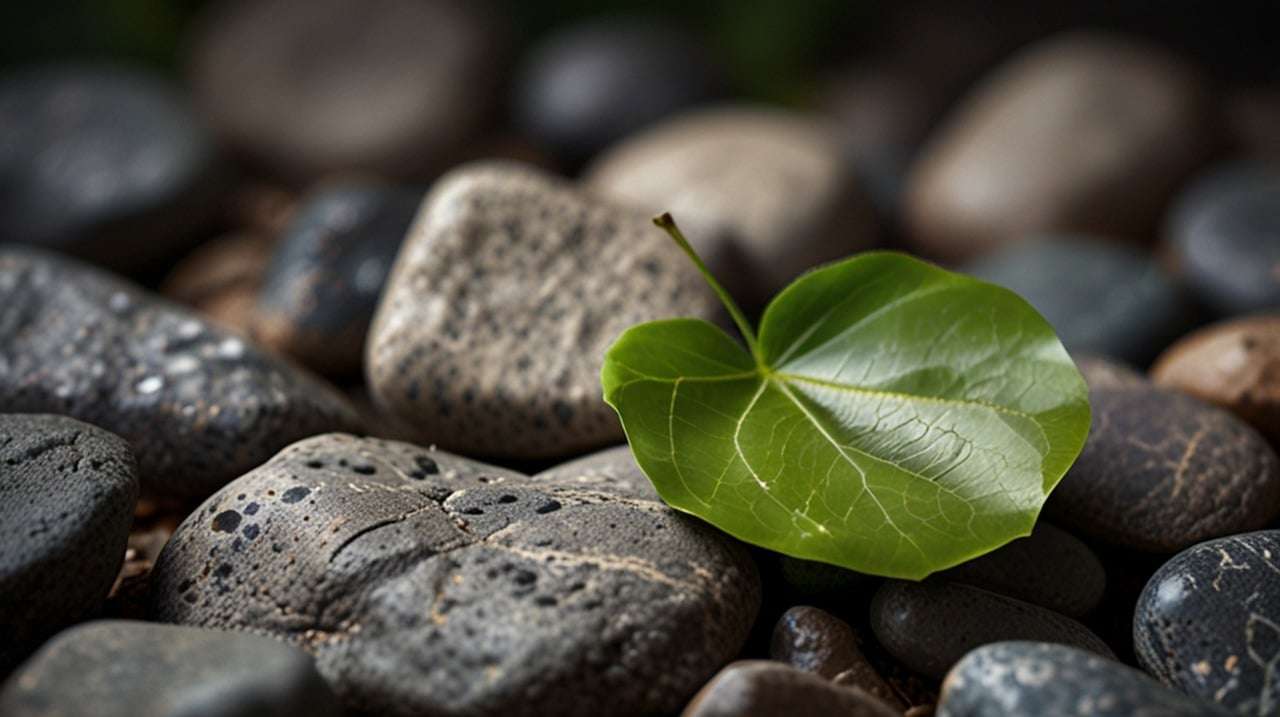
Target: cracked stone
436,584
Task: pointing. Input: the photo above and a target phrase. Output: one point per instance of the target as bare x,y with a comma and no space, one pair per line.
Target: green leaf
892,417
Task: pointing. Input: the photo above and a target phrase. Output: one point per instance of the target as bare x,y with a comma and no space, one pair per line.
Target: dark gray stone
1208,622
103,162
512,285
198,405
1050,568
1034,679
322,286
816,641
762,688
613,470
121,668
67,492
427,583
1225,234
1162,471
1100,297
929,626
588,85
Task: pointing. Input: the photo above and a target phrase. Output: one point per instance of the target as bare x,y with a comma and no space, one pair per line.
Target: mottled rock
613,470
67,491
322,286
1162,471
121,668
308,87
1224,232
771,689
1100,298
763,194
221,278
1101,372
1235,365
103,162
1050,568
198,405
816,641
1208,622
929,626
591,84
510,288
427,583
1034,679
1078,133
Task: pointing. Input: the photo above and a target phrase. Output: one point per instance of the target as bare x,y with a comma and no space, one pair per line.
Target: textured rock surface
322,286
510,288
308,87
198,405
102,162
1099,297
1235,365
816,641
772,689
122,668
929,626
1208,622
67,491
1050,568
763,194
1078,133
1030,679
1162,471
1224,232
427,583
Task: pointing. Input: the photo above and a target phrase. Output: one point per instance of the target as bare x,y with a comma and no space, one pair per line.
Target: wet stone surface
198,405
424,582
772,689
816,641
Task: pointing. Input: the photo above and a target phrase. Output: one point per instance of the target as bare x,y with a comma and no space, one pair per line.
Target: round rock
763,194
1033,679
1208,622
67,491
198,405
772,689
103,162
309,87
816,641
1100,298
322,286
1078,133
593,83
425,583
1101,372
220,279
929,626
1162,471
120,668
1225,234
511,286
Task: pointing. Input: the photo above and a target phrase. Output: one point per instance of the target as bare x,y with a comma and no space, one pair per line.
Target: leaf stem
667,224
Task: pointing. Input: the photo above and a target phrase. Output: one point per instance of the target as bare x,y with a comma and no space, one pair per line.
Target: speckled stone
1050,568
1101,372
198,405
763,688
1161,471
1224,232
103,162
221,278
1035,679
929,626
1100,297
816,641
322,286
1235,365
120,668
763,194
308,87
510,288
592,83
612,469
1208,622
1082,132
67,491
427,583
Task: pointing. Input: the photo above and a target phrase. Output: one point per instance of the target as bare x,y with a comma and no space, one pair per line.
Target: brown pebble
816,641
763,688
